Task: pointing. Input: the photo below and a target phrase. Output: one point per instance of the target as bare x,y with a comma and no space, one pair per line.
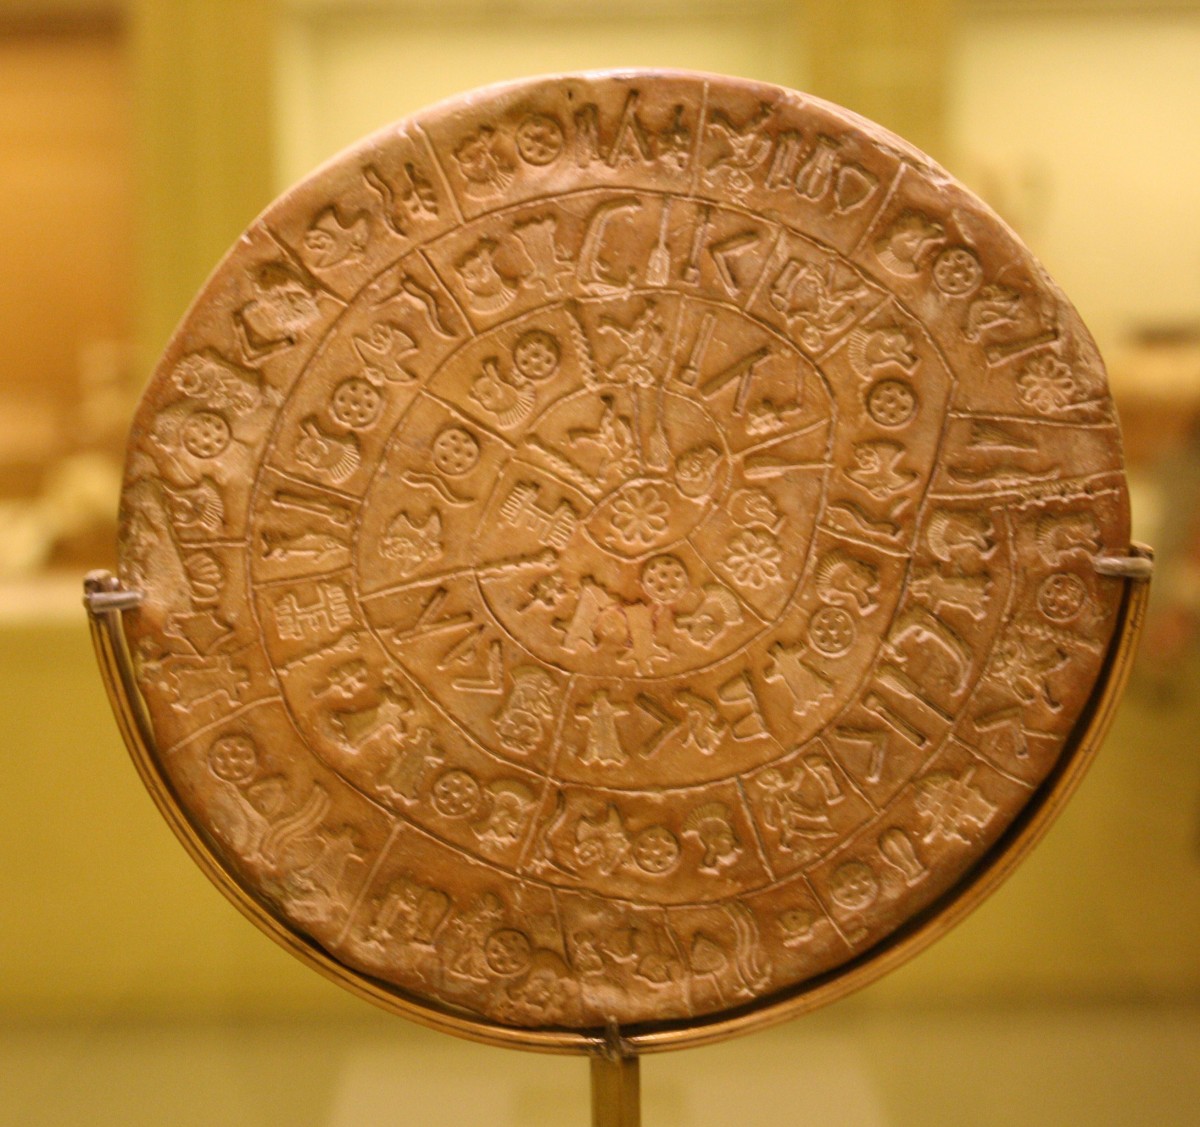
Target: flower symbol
641,515
754,558
1046,384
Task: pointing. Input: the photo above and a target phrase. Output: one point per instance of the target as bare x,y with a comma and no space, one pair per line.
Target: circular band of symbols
618,547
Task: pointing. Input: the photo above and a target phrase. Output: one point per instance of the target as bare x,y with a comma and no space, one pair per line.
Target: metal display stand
614,1056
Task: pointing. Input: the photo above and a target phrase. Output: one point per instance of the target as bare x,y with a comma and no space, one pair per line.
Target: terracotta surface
618,547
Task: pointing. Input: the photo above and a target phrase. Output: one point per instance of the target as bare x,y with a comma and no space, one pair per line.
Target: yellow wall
66,287
1084,130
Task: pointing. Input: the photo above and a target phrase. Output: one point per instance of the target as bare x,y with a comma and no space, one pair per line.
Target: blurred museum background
138,139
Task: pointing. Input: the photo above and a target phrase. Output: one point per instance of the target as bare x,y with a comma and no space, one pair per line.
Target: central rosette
613,479
656,465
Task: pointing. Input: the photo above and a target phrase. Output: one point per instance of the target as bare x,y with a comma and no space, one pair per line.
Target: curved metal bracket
614,1060
1138,565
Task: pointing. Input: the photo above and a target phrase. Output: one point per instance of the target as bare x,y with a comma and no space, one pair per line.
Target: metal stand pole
616,1084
